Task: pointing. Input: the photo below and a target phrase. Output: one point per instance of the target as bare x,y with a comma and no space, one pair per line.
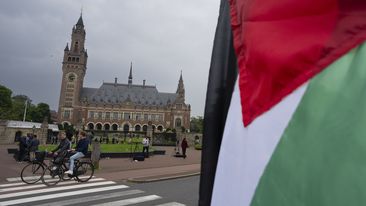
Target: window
153,117
146,117
126,116
91,114
73,59
107,115
160,117
138,116
77,59
69,59
178,122
115,115
66,114
99,115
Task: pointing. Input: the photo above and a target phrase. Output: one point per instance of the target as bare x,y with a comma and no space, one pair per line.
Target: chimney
143,84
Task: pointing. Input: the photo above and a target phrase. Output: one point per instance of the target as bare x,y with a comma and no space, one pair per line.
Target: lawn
105,148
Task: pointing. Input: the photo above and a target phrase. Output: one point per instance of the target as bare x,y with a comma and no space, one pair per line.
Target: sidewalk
157,167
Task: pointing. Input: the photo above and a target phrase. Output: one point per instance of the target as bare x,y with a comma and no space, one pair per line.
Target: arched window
160,128
178,122
90,126
73,59
144,128
99,126
137,128
69,59
107,127
114,127
126,128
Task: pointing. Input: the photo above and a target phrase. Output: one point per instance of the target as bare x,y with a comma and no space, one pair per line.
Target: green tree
17,110
5,102
39,112
196,124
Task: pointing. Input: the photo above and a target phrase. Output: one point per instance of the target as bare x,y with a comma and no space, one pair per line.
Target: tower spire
80,21
130,76
180,89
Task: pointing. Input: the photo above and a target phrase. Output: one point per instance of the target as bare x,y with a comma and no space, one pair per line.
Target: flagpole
25,110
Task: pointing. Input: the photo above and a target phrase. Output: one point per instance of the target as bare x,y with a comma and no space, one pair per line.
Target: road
99,191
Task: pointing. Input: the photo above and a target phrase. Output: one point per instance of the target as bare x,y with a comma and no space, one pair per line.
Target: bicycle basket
40,155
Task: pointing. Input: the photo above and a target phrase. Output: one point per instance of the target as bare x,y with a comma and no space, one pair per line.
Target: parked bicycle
55,172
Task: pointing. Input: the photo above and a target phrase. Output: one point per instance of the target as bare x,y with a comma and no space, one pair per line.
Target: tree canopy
12,108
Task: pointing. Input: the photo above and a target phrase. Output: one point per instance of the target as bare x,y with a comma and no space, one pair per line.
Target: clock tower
73,72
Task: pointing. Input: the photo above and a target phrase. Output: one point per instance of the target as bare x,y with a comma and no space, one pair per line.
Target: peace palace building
115,106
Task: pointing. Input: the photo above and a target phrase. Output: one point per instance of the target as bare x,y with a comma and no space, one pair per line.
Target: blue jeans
76,156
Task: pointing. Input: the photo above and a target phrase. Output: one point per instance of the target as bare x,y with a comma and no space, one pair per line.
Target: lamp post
25,109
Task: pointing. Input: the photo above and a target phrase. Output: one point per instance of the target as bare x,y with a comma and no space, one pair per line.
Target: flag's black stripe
222,76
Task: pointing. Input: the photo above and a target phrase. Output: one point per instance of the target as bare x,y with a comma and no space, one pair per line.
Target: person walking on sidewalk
145,146
81,150
33,147
184,146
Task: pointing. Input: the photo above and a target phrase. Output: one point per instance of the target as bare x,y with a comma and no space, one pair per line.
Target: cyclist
81,151
61,150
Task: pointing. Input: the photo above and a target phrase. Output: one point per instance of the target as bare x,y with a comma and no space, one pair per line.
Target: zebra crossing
95,192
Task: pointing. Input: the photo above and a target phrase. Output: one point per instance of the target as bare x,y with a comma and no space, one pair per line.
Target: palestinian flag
285,116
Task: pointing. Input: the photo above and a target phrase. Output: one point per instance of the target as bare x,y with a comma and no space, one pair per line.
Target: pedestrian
184,146
145,146
33,147
22,148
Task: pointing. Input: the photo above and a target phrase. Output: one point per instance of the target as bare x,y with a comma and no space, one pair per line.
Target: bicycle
54,173
33,171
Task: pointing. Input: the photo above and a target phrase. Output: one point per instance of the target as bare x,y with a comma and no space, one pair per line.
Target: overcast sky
160,37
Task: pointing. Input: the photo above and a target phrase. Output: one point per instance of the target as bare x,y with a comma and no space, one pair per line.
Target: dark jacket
63,146
184,144
33,145
82,146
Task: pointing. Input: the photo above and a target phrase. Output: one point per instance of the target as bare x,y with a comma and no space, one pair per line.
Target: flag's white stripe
245,152
14,179
64,194
93,198
172,204
26,187
54,189
130,201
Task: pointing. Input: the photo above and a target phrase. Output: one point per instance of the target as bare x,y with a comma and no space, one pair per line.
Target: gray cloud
160,37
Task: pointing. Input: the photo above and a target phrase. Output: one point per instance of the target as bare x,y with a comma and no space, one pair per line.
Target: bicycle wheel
32,172
84,171
65,176
52,175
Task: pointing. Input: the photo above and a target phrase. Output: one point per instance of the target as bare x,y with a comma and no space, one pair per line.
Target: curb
152,179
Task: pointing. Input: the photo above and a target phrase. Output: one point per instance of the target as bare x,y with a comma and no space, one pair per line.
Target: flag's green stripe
321,157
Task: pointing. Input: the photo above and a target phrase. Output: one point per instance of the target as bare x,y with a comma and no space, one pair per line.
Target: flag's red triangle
280,44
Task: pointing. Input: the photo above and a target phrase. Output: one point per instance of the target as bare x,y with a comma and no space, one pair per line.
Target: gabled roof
111,93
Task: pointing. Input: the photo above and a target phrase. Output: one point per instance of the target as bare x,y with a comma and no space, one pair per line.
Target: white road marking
54,189
25,186
58,195
93,198
172,204
130,201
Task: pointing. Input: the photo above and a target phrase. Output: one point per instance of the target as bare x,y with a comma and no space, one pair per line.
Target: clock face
71,77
